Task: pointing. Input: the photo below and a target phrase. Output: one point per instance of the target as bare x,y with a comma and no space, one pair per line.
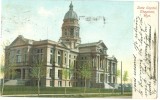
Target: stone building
59,56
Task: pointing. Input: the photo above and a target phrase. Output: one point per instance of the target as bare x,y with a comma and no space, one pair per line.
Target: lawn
73,91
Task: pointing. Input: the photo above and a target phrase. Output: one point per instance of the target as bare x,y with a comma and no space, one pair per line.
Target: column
56,52
48,55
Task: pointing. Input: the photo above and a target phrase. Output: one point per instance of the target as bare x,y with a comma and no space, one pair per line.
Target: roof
88,44
112,58
92,44
71,14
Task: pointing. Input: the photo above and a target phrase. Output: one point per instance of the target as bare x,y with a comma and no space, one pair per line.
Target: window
59,83
101,63
65,58
69,62
114,69
25,58
69,75
59,58
69,56
81,83
71,31
41,50
101,77
65,33
109,67
51,73
60,74
38,56
18,56
75,75
38,51
106,78
51,56
51,83
69,83
23,73
109,79
25,55
74,63
76,84
114,80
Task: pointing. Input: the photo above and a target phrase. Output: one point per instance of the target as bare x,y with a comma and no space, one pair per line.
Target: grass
73,91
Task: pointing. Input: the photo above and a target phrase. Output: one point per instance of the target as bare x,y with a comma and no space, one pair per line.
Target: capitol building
68,52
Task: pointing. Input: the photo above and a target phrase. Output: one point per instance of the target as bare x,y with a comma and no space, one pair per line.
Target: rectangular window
100,63
65,60
18,59
52,56
51,59
101,77
69,56
23,73
74,63
69,83
60,74
114,80
59,60
106,78
69,62
59,83
51,73
114,68
109,79
41,50
76,84
82,58
51,83
18,56
25,58
59,57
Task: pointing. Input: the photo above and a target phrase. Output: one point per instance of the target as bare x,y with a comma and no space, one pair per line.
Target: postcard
79,49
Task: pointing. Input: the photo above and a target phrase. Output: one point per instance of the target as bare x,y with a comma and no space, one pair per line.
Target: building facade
67,54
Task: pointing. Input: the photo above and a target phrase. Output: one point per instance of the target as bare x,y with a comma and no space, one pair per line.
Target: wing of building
22,54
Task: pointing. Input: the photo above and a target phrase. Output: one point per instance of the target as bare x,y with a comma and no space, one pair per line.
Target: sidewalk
75,94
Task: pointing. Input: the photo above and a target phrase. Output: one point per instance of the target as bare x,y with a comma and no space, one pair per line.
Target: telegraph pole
121,80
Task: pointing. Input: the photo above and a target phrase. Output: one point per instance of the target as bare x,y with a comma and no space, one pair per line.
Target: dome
71,14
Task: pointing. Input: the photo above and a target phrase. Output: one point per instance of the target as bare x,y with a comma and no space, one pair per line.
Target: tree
7,65
65,74
38,71
86,72
118,74
7,71
125,78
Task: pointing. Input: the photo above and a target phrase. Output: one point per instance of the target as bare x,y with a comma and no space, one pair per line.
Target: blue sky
42,19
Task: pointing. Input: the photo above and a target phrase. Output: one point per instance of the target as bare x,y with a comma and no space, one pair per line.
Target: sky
42,19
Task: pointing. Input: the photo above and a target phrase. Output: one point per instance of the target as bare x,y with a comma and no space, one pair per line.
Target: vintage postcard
79,49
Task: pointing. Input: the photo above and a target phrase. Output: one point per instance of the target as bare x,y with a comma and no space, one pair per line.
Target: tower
70,29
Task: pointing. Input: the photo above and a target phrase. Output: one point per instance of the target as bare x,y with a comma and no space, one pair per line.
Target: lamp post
121,80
